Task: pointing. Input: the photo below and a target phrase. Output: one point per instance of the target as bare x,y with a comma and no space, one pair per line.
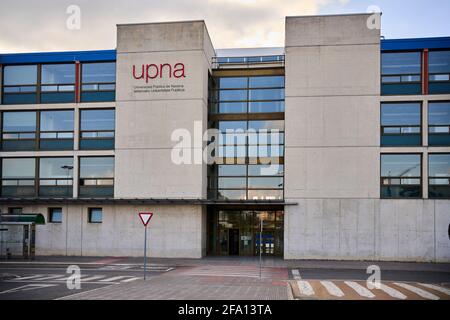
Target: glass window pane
266,106
233,82
439,61
439,113
232,170
57,120
58,73
439,165
232,183
232,95
55,167
55,215
232,194
96,167
232,125
266,170
401,63
97,120
233,107
18,168
19,121
265,182
440,77
266,124
18,75
400,165
98,72
266,94
267,82
265,194
95,215
400,114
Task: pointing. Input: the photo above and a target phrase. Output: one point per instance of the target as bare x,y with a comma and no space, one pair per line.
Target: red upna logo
152,71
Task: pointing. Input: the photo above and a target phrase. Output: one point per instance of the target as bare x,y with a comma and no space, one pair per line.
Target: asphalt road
49,282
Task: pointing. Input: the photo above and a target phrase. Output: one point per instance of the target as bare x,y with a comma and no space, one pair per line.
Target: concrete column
425,174
75,175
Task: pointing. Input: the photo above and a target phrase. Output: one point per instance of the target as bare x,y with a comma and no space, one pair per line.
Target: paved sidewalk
177,286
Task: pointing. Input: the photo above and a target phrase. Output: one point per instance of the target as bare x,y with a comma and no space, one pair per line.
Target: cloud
41,25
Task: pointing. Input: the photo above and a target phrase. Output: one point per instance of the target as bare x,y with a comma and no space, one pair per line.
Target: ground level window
95,215
15,210
55,215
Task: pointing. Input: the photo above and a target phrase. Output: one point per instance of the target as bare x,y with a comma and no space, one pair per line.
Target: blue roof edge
415,43
65,56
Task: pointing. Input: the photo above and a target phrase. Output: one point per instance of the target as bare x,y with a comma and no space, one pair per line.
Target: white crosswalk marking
30,277
305,288
92,278
113,279
332,288
364,292
418,291
437,288
50,277
131,279
392,292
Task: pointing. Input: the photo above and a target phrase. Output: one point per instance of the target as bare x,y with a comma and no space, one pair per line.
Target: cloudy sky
42,25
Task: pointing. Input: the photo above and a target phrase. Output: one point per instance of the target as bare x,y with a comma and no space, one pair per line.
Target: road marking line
420,292
30,277
296,274
364,292
92,278
28,287
131,279
112,279
305,288
51,277
332,288
392,292
437,288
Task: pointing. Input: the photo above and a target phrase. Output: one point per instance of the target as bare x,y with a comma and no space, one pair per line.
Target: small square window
55,215
95,215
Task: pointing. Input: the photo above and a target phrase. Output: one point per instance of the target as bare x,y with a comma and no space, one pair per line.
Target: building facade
336,146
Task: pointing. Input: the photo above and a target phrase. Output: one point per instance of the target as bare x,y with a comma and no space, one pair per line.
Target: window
401,176
19,130
55,215
401,124
58,83
19,84
439,72
241,182
439,175
259,94
18,177
56,130
401,73
97,129
96,176
439,123
55,177
98,82
95,215
15,210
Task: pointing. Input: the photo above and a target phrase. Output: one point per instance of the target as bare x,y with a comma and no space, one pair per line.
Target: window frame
90,211
400,134
430,102
50,215
421,195
96,185
429,178
97,138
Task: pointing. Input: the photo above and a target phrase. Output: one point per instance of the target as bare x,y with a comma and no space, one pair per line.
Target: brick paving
177,285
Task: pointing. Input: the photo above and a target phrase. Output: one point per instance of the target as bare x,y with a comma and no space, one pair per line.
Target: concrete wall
332,152
174,231
147,117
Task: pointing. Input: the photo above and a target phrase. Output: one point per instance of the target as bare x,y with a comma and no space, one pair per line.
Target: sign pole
260,246
145,253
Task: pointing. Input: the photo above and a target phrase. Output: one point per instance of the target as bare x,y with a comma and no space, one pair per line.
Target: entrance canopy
32,218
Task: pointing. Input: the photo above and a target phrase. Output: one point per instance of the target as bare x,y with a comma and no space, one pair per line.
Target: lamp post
68,168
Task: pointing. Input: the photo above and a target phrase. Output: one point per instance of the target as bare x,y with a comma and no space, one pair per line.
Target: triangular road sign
145,217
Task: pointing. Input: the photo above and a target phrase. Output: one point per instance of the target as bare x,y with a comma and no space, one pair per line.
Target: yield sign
145,217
